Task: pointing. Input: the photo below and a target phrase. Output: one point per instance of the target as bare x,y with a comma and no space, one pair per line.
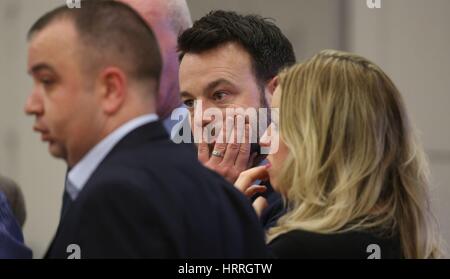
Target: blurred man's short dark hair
111,31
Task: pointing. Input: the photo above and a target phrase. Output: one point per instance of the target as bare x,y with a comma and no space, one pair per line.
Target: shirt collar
82,171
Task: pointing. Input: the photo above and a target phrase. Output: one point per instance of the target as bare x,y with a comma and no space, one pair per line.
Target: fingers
203,152
254,189
251,160
231,153
259,205
247,177
232,149
244,150
220,147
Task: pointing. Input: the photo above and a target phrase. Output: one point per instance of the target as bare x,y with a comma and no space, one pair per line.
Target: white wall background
407,38
410,40
22,156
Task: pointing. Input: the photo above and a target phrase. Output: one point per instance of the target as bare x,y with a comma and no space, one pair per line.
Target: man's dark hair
269,49
111,33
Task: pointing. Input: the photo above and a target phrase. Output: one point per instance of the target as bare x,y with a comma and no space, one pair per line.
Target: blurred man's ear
112,88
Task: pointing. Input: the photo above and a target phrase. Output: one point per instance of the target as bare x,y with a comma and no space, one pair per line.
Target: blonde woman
349,167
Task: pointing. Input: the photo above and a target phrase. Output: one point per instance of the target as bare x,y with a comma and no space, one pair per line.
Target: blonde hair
354,161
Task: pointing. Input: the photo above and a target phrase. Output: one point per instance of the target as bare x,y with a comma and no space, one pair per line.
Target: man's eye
219,96
189,103
47,81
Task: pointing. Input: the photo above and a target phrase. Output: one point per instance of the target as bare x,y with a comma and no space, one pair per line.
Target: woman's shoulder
351,245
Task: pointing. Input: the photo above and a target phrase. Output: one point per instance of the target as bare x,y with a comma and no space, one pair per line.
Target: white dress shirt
82,171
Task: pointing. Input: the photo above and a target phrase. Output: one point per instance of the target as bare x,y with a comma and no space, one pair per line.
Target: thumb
252,190
259,205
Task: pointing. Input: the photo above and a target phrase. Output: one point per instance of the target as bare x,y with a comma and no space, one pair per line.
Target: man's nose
202,113
33,104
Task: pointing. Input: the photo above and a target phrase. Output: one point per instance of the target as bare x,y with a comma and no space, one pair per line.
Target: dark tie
67,200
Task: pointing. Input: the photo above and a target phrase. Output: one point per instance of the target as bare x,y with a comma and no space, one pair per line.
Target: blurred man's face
155,13
220,78
66,114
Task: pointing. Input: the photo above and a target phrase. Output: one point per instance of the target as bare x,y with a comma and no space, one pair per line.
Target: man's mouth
46,138
45,134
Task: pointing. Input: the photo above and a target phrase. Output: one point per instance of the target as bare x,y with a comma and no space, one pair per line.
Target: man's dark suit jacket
151,198
15,198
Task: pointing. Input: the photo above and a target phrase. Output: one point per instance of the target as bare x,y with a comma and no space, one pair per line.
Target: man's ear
113,89
272,85
270,89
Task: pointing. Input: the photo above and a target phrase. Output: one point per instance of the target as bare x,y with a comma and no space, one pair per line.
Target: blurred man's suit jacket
151,198
15,198
11,237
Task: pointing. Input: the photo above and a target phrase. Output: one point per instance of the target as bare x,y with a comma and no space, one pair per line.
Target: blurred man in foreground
133,192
